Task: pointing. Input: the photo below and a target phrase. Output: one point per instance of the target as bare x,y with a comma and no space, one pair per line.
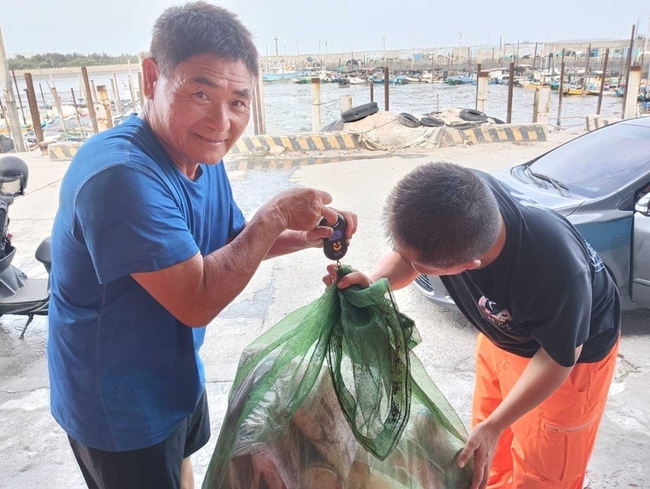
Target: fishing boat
573,90
459,80
301,80
592,89
532,84
279,75
355,80
399,80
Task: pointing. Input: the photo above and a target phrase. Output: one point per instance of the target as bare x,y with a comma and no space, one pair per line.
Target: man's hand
301,209
354,278
482,444
539,380
314,238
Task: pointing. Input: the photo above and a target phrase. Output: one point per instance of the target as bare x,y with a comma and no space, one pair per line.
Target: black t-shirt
547,287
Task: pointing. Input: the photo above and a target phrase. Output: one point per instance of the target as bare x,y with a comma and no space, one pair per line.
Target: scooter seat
44,253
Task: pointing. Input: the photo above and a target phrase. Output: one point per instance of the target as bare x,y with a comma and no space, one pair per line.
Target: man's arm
292,241
196,290
542,377
396,269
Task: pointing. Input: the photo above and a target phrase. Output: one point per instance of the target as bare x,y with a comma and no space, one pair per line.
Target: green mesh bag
332,397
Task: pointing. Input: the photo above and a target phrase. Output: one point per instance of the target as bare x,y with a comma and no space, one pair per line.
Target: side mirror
643,205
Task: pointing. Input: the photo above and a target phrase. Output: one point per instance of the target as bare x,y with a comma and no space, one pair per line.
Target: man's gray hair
200,28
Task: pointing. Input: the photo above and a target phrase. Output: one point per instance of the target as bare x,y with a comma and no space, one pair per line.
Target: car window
600,162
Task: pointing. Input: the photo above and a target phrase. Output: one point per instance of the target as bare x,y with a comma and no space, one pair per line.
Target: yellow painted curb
254,145
63,151
494,133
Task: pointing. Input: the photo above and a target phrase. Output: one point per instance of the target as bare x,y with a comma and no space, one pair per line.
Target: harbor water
288,105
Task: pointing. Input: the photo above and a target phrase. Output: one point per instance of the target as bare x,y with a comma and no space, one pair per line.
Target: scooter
19,295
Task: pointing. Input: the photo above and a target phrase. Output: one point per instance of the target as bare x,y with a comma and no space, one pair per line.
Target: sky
124,26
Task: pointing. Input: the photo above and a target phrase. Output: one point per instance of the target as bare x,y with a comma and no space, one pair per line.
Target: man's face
201,108
412,257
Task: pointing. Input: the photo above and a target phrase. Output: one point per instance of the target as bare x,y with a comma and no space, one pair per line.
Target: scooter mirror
14,174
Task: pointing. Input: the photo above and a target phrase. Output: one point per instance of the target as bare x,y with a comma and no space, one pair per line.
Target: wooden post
587,69
511,86
316,125
561,94
115,96
4,114
89,99
76,111
632,91
256,126
102,94
386,89
261,111
135,107
12,110
628,67
346,102
40,87
478,72
482,95
118,95
92,85
20,98
372,91
59,109
33,107
542,105
140,89
602,82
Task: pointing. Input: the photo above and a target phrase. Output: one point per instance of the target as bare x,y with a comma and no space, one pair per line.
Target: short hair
445,213
197,28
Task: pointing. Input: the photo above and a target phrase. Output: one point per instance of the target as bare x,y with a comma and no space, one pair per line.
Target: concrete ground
34,452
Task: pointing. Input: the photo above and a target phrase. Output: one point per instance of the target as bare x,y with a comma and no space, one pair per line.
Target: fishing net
332,397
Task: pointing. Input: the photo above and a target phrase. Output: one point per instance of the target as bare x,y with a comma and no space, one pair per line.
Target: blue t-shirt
123,371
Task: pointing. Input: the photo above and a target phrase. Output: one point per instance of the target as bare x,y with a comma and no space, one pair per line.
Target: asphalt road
34,450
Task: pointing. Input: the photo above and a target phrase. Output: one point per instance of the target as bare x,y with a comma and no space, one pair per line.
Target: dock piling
33,107
482,90
542,105
102,95
386,89
560,94
20,99
628,67
118,97
632,86
76,111
511,86
602,82
315,105
59,109
89,99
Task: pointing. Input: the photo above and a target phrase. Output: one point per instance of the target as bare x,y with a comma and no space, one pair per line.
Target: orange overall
550,446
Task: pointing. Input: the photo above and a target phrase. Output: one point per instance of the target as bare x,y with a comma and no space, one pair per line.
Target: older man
149,247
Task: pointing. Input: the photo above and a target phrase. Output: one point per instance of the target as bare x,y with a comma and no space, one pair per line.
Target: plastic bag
368,417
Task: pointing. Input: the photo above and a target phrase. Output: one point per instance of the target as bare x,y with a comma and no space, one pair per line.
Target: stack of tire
473,118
